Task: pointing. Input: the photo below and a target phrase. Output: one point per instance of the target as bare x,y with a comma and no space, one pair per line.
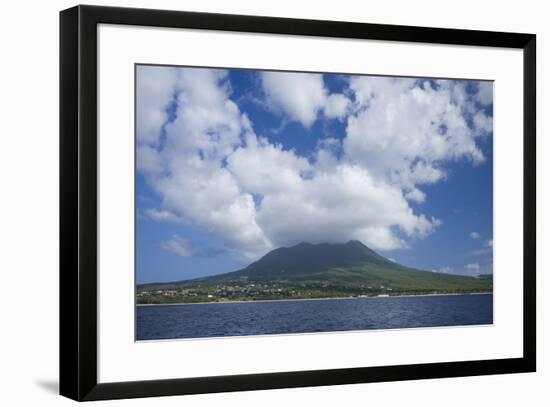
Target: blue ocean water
283,317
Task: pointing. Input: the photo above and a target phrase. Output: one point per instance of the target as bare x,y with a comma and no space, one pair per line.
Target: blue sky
234,163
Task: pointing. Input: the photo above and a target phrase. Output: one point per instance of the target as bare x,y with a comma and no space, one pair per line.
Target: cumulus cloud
484,94
404,130
475,235
336,106
163,216
486,250
445,270
346,203
302,96
415,195
155,91
472,269
212,170
186,248
483,123
192,180
178,246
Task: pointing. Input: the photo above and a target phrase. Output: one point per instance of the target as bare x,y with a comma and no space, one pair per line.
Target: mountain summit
306,259
350,264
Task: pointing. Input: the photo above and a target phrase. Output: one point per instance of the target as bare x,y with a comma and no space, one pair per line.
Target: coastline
311,299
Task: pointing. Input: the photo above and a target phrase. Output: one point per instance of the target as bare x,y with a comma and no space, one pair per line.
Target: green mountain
318,270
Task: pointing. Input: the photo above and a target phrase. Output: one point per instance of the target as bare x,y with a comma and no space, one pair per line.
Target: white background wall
29,201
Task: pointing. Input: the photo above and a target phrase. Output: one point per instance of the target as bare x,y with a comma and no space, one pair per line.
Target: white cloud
445,269
178,246
154,93
163,216
211,169
472,269
148,159
477,268
345,203
484,94
415,195
483,123
486,250
302,96
192,181
264,168
404,130
336,106
475,235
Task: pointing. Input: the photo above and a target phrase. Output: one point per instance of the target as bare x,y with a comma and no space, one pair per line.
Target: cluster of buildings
235,290
164,293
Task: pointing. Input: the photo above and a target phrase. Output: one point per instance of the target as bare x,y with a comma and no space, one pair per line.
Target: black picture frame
78,202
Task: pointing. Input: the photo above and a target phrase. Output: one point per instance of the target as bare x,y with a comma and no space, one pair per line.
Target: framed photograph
255,203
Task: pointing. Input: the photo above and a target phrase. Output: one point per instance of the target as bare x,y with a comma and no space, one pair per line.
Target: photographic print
292,196
274,202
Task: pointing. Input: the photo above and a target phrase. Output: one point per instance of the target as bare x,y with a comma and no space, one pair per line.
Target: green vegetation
309,271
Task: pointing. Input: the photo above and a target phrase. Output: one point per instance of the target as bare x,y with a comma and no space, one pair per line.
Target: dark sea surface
283,317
